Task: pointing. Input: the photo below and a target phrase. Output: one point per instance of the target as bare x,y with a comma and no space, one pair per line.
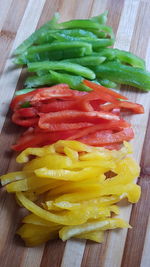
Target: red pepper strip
59,105
38,139
57,91
27,112
74,116
99,96
85,102
101,138
26,122
110,125
53,127
55,105
60,90
136,108
19,99
99,88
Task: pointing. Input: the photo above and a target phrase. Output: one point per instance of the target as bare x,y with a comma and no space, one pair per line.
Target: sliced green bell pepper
124,74
64,66
52,24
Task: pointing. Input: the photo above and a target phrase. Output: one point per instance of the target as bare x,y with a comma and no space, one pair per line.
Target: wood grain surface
126,248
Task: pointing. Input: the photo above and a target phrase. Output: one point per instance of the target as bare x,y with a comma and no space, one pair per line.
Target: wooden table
131,23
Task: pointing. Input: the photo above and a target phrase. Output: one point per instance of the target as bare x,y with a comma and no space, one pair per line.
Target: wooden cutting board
131,23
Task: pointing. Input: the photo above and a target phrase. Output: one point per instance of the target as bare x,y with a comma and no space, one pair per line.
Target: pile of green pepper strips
70,51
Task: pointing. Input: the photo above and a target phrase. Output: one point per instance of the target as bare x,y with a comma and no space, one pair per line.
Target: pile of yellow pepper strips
72,189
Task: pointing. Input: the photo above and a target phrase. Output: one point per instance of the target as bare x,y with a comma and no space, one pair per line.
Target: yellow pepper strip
102,154
13,176
66,218
24,156
17,186
131,191
48,187
69,231
53,161
127,170
74,145
67,175
95,156
33,219
34,235
72,154
97,236
31,183
105,165
105,201
89,193
88,205
66,205
71,187
102,201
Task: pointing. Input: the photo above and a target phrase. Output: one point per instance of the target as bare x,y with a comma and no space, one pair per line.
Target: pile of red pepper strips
58,112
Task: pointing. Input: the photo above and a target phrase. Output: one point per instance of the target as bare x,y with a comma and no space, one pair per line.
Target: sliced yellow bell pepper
71,189
34,235
67,175
24,156
72,154
97,236
69,231
54,161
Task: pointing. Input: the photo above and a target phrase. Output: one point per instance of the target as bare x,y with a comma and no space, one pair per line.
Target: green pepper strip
86,61
107,83
55,46
59,65
36,81
54,55
96,43
74,82
52,24
124,74
47,37
86,24
123,56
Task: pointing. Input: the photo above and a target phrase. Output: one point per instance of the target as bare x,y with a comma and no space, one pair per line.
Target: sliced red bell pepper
99,88
26,121
101,138
37,138
59,105
99,95
55,105
53,127
56,91
19,99
125,106
27,112
74,116
109,125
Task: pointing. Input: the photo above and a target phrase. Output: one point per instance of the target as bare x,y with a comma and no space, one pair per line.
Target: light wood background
130,20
